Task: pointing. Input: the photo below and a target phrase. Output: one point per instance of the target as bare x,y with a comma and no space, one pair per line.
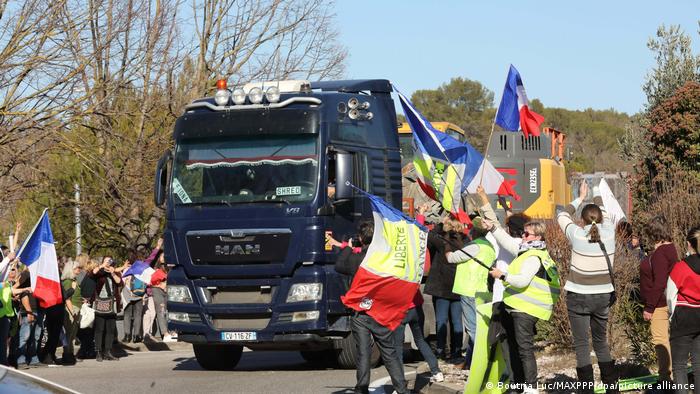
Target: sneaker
437,378
169,338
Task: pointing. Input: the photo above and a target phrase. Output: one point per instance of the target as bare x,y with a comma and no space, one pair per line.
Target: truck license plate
238,336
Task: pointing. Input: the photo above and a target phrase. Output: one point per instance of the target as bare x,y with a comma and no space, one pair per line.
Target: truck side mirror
161,180
344,174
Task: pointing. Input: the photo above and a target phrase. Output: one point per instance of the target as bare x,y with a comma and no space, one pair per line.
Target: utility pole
78,235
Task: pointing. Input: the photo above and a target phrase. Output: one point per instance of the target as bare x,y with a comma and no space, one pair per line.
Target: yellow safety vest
472,277
6,298
539,297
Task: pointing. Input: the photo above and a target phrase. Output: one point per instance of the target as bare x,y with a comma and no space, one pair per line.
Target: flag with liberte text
391,271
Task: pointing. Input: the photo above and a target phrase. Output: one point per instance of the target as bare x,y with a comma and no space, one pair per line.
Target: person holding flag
471,279
39,254
531,289
383,287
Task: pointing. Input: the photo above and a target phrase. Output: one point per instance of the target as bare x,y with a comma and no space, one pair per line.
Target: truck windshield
245,169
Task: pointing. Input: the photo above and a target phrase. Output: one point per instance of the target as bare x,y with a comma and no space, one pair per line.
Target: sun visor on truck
245,123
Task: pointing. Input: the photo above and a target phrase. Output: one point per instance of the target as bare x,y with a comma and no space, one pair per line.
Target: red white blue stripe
472,167
39,253
514,112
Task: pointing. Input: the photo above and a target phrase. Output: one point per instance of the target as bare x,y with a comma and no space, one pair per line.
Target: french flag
514,113
39,254
390,273
140,270
471,167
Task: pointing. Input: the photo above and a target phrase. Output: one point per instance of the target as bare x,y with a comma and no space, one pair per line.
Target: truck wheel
218,357
347,353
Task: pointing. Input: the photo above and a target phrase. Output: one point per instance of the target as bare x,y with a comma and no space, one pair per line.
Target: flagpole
24,244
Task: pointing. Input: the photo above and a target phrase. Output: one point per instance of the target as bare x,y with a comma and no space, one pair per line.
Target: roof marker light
221,97
255,95
239,96
221,84
272,94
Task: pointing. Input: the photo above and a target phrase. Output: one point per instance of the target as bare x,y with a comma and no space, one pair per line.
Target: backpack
138,288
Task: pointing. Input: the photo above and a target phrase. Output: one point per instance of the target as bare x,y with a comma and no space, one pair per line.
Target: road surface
177,372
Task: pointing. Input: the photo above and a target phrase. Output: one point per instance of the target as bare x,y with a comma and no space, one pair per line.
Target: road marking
377,387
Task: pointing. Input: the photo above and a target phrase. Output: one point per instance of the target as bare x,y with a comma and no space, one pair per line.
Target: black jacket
348,262
442,274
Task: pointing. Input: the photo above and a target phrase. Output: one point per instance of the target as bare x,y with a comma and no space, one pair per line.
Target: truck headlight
305,292
179,293
179,316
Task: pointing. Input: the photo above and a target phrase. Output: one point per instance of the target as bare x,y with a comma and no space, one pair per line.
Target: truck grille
241,322
246,246
240,294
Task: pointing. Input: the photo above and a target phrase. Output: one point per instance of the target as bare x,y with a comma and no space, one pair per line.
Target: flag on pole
39,254
612,206
513,112
141,271
391,272
446,168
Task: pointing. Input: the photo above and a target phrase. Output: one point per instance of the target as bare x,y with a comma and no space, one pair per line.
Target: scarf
525,246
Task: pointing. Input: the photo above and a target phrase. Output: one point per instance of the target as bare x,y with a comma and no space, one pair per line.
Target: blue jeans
414,319
444,310
469,318
29,339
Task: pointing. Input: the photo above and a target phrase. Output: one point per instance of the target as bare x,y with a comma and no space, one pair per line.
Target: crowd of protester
508,266
95,293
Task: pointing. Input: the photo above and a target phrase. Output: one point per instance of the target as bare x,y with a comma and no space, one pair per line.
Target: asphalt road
177,372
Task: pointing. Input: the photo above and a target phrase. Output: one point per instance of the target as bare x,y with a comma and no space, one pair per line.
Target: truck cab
255,181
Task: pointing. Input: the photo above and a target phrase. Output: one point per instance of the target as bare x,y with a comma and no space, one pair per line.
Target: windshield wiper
274,201
222,202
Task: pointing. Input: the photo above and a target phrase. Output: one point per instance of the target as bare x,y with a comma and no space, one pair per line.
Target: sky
570,54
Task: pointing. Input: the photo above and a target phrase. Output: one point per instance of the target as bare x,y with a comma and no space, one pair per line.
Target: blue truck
255,182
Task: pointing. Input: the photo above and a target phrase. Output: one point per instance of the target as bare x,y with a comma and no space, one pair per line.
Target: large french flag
140,270
39,254
390,273
514,113
470,168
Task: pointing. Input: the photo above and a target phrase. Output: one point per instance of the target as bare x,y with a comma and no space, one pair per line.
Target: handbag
613,295
104,305
87,316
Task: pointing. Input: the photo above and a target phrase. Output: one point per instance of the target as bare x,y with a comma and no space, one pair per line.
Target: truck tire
347,353
218,357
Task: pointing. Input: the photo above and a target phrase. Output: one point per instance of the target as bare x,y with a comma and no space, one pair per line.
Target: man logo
232,250
293,211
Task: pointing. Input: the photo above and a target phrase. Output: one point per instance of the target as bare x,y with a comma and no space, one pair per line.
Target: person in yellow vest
471,279
6,310
531,289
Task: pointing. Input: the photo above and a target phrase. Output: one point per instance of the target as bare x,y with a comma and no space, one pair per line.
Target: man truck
255,182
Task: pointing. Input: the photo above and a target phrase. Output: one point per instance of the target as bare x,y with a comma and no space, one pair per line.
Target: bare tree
91,89
244,40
